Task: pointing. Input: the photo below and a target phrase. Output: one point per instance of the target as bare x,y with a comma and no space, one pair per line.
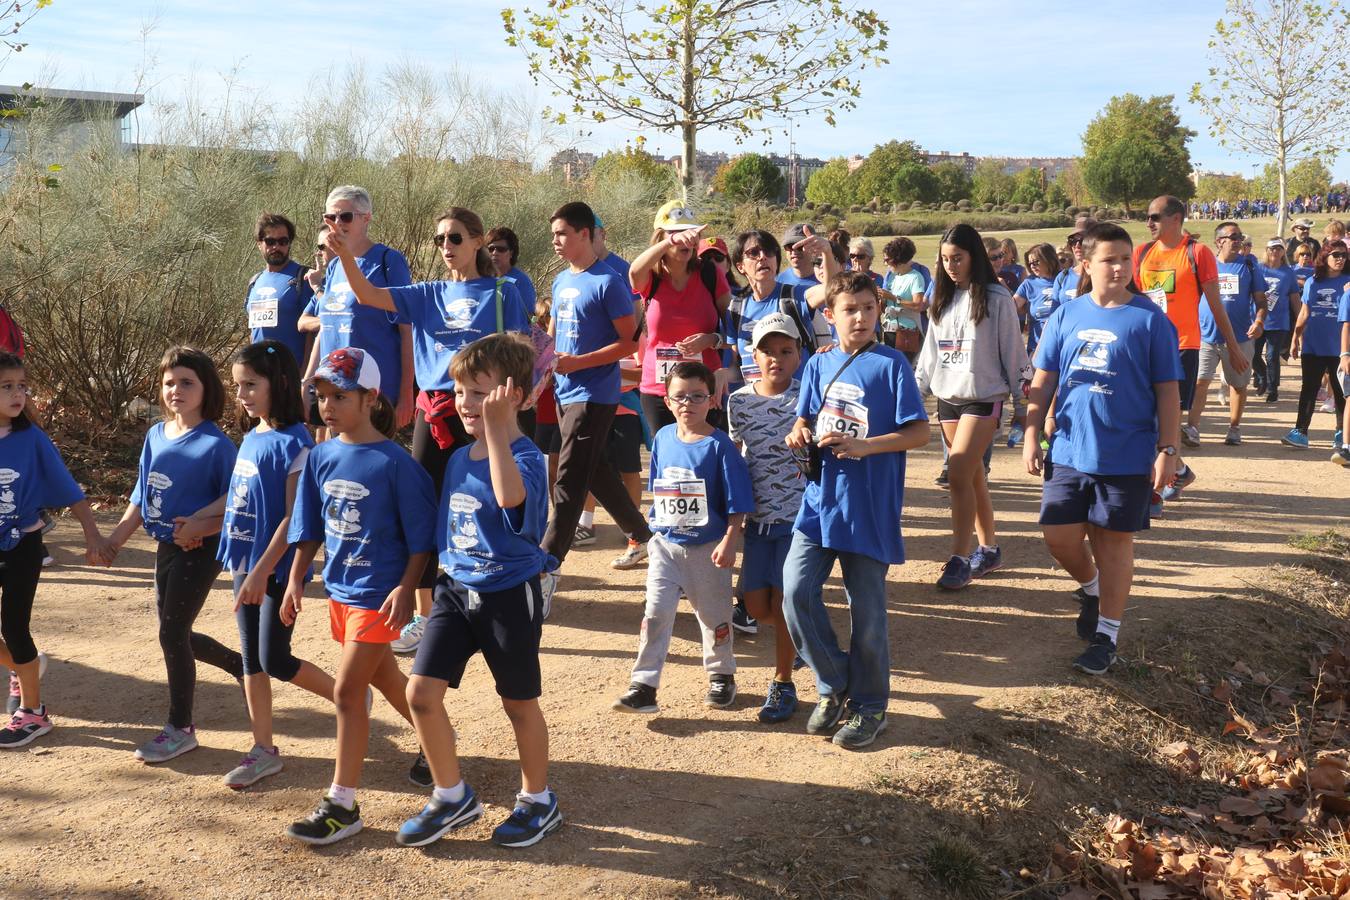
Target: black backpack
787,305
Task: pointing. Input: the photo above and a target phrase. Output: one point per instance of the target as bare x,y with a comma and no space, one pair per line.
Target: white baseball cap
774,323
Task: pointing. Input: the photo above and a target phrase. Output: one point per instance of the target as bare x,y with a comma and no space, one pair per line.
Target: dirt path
653,805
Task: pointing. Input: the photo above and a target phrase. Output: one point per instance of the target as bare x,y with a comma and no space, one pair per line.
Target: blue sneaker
1089,611
1296,439
1336,443
1155,506
955,575
1179,484
780,704
985,560
436,818
1015,435
529,823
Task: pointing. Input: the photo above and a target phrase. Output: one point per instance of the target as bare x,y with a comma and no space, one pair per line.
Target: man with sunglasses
278,295
1302,233
1175,271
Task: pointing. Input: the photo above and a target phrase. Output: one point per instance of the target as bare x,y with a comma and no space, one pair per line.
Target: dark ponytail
382,416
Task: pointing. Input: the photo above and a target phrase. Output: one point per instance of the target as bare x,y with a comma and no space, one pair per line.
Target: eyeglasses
995,257
690,399
1156,217
276,242
1075,241
454,237
858,256
715,256
1231,237
344,217
754,253
792,248
1337,255
322,248
494,248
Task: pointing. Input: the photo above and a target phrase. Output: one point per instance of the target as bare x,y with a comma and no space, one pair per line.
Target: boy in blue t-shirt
860,406
1109,361
1242,291
492,515
701,493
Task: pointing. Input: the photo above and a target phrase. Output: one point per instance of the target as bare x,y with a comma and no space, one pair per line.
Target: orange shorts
348,621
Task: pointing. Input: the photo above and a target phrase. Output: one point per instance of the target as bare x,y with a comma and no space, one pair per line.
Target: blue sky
1023,84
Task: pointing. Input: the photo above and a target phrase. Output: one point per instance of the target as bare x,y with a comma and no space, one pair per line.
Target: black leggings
20,569
264,640
1314,367
183,579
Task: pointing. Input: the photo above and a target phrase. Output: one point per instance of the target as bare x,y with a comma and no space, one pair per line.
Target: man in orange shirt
1174,270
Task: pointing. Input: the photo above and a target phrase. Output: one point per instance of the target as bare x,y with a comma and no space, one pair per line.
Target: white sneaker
548,586
411,636
47,561
634,556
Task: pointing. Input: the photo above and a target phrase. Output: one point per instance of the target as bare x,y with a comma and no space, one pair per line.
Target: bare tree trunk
688,129
1283,177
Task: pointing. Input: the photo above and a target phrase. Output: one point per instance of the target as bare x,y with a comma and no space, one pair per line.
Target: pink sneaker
24,727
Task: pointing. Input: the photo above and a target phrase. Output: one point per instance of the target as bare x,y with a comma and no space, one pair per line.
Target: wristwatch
1168,450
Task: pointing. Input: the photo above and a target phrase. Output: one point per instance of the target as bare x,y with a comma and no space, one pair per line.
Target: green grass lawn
1259,230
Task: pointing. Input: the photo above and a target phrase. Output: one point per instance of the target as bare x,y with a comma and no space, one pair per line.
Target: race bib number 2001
679,504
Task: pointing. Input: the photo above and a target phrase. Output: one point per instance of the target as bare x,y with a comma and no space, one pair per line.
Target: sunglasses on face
714,256
1231,237
754,253
344,217
996,257
276,242
1075,241
495,248
322,248
1336,255
1156,217
454,237
858,256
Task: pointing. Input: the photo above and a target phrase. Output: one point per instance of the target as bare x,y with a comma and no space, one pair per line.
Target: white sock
541,797
342,796
1109,627
452,794
1092,588
587,519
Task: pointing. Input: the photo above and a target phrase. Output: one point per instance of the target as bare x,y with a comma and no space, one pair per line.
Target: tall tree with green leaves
832,184
990,184
895,170
690,65
1274,84
753,178
1136,149
953,182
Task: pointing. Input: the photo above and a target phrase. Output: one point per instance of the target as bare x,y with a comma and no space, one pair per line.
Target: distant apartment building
964,160
1052,166
75,120
705,165
573,165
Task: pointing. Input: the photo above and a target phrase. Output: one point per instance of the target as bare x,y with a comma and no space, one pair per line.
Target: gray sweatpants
670,568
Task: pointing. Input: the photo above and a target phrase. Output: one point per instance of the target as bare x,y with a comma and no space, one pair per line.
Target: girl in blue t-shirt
180,499
253,541
32,478
1037,291
1317,338
371,506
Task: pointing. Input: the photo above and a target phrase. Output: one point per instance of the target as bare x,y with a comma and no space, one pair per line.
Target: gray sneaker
826,715
257,765
860,730
168,744
1234,436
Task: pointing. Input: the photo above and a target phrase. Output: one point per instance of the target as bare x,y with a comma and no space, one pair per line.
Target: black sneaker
1098,657
1088,613
860,730
1273,397
639,698
941,480
721,691
826,715
742,621
328,824
420,773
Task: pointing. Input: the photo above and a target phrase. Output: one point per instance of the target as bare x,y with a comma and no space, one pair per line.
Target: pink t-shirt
673,316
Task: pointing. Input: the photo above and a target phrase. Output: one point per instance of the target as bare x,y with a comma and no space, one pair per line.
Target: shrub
1038,206
1071,210
949,206
899,207
809,204
964,205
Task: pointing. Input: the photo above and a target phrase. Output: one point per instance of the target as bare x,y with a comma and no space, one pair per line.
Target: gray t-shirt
760,425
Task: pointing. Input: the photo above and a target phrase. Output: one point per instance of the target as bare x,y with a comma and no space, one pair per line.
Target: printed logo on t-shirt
1096,352
156,483
1324,303
262,308
7,478
341,515
565,312
244,469
1164,279
459,313
463,506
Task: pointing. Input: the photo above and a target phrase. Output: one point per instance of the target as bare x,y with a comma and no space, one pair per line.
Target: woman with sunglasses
343,322
472,301
1317,341
1066,282
503,249
683,304
860,256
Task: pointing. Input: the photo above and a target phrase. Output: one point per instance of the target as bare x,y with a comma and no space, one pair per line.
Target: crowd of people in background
776,381
1247,208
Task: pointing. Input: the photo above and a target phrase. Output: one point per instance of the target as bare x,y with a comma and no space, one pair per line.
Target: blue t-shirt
1237,280
585,305
751,312
483,546
1041,301
1108,361
179,476
275,302
33,477
524,287
1066,286
1343,314
373,506
855,506
345,323
257,497
618,265
923,270
1280,284
1322,333
790,276
696,487
446,315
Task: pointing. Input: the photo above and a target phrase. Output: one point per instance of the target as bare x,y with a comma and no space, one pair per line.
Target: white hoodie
962,362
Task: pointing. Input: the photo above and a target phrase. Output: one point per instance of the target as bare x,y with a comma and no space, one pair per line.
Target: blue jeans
864,672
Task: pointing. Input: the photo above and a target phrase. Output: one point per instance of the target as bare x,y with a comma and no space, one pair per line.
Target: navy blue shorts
505,626
763,555
1113,502
1190,373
